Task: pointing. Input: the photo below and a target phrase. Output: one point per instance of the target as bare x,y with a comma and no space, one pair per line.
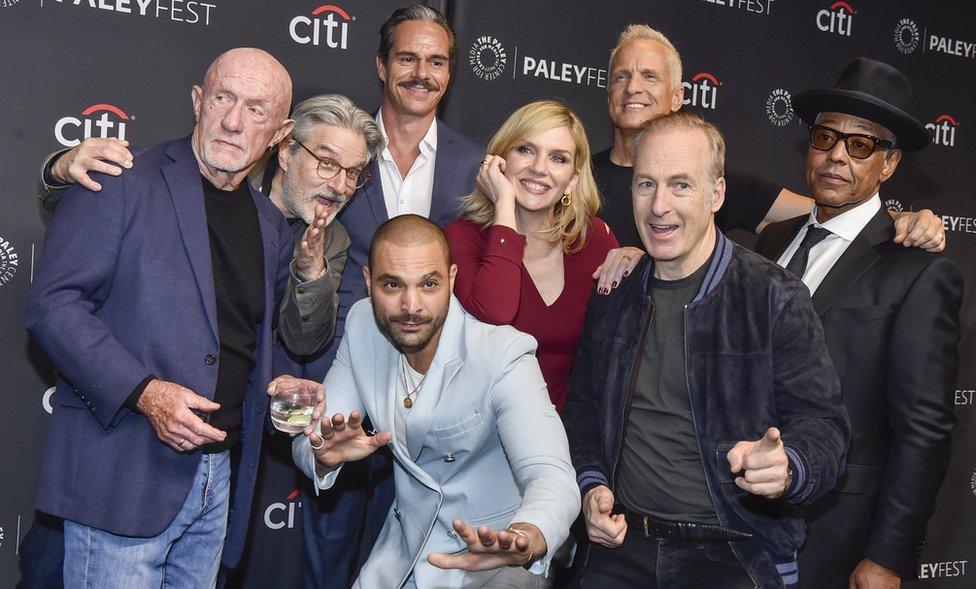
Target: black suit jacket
891,319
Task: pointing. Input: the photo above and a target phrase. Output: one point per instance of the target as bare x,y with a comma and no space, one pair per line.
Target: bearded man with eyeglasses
891,319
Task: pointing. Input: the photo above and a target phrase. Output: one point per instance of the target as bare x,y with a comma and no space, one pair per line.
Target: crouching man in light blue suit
485,490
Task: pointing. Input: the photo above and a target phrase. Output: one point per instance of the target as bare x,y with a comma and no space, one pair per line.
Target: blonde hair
571,221
636,31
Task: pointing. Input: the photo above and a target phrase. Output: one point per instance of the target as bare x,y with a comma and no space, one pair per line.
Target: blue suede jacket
755,358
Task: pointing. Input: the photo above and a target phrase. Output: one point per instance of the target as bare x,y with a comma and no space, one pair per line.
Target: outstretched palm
344,441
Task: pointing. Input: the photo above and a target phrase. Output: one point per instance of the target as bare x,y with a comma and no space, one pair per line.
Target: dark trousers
652,563
342,524
42,553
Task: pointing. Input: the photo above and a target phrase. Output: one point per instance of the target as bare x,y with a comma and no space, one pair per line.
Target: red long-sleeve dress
494,286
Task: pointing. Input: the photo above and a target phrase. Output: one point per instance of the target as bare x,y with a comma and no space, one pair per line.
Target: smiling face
240,112
410,288
640,87
301,186
542,167
675,201
416,77
840,182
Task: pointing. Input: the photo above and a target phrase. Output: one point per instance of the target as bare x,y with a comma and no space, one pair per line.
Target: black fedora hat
871,90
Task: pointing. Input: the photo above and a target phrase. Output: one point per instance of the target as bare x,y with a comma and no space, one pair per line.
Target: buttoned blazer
891,320
483,444
125,289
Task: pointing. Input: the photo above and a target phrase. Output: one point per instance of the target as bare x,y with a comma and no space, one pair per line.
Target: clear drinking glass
292,405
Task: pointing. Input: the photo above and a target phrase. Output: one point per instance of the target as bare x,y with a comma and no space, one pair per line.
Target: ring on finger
941,235
180,443
320,446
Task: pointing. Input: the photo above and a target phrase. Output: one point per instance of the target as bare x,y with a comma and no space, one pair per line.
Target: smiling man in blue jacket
704,407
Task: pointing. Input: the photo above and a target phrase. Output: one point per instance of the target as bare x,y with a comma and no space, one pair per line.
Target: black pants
651,563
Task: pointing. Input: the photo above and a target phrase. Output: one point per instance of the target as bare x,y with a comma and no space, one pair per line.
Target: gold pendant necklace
408,400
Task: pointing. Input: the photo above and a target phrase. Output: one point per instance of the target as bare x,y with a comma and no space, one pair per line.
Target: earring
566,200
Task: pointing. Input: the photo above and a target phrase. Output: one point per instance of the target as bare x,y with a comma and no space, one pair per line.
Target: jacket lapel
855,261
445,192
269,246
373,193
447,362
186,189
778,236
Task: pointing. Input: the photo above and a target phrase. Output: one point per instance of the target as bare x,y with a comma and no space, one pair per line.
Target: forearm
489,282
50,189
307,314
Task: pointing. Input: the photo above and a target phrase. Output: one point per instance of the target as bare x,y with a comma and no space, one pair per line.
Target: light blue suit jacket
483,444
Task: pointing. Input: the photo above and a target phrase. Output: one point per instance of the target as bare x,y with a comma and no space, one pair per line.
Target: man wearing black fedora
891,319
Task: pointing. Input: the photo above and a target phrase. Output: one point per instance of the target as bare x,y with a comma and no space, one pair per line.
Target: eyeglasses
329,169
859,146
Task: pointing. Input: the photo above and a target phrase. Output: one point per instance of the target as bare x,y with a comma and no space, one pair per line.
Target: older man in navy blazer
156,301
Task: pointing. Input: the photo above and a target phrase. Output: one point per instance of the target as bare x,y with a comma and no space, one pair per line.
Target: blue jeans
186,554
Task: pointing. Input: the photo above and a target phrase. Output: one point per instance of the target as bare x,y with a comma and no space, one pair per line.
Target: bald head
409,231
241,111
257,65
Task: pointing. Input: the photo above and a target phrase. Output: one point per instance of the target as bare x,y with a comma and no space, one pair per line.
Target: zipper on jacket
701,453
625,410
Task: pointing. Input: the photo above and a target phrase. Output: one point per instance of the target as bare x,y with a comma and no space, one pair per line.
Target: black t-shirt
238,272
747,199
661,471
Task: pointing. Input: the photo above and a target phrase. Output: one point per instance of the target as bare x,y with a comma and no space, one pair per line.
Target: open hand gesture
344,441
491,549
310,257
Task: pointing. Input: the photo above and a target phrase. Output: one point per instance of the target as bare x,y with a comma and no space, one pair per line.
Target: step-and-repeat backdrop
71,69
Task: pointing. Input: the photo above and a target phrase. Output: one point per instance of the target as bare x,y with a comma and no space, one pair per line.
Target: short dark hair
405,230
414,12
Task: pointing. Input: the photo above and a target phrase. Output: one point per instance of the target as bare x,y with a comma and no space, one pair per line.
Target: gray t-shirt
661,471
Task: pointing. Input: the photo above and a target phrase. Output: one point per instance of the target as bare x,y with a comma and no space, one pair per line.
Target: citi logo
109,120
944,130
839,19
328,25
701,91
282,515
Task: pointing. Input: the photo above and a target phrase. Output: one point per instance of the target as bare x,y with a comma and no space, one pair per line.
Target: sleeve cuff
800,474
506,243
590,478
132,401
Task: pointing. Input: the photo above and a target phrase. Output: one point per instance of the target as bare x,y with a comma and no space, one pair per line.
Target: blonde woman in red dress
529,242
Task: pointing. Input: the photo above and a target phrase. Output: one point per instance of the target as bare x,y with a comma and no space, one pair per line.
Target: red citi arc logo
702,90
944,130
109,120
839,19
321,27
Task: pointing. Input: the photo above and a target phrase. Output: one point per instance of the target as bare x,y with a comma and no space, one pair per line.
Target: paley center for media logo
488,59
282,514
837,19
5,4
779,107
191,12
9,261
943,130
702,91
98,120
909,36
327,25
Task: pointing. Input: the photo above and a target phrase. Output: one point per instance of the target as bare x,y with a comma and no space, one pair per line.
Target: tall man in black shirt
645,83
161,334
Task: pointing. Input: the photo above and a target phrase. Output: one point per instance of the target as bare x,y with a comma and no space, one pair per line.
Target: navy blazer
125,289
455,167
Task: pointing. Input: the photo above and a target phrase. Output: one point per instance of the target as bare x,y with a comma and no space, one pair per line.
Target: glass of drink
292,405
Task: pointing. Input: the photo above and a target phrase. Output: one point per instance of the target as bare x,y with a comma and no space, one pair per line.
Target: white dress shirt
412,193
843,229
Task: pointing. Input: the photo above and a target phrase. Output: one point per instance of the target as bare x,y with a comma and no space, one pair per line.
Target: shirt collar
847,225
428,144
